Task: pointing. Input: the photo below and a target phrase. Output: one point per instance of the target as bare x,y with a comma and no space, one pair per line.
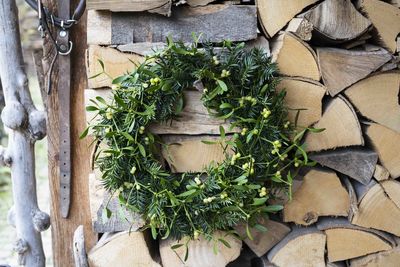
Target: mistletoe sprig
237,85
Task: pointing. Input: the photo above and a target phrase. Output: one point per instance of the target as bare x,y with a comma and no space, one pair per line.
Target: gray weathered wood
80,256
352,195
362,190
214,22
357,163
27,125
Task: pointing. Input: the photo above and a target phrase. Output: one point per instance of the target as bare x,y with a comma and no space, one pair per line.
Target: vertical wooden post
63,229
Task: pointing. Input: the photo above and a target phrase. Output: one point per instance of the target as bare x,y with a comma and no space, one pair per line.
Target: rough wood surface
362,161
263,241
154,6
376,98
380,173
200,251
362,189
190,154
142,49
301,27
295,57
215,22
275,14
123,249
378,211
341,68
341,127
337,21
389,258
303,247
63,229
392,190
194,118
352,196
79,248
386,20
115,64
386,143
261,42
304,95
320,194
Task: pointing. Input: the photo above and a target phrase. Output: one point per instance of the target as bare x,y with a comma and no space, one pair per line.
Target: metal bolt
63,33
63,47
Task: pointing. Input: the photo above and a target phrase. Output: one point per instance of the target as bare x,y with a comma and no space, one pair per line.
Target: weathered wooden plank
357,163
214,22
154,6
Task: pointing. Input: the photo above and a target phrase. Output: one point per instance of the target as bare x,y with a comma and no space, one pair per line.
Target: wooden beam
154,6
215,22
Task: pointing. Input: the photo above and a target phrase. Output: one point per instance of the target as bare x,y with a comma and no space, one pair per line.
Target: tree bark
27,125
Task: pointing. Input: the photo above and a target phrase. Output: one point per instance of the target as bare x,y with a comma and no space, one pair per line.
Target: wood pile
339,61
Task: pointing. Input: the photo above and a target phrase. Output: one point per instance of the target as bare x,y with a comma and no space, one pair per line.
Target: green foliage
239,85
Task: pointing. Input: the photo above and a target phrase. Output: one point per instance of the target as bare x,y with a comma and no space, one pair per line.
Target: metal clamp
60,52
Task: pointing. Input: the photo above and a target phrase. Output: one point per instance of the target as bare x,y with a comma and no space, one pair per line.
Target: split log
304,96
121,219
79,250
341,127
378,211
123,249
275,14
200,251
301,27
376,98
386,143
362,189
336,21
341,68
295,57
392,190
215,22
261,42
380,173
190,154
303,247
115,64
320,194
143,49
154,6
194,118
362,161
386,20
263,241
389,258
346,241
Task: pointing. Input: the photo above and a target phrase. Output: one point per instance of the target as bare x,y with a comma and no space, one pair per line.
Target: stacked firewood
339,62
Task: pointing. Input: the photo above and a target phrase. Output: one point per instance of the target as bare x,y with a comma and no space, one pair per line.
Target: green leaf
248,233
176,246
187,193
259,201
222,131
179,105
223,241
101,64
129,137
120,102
226,116
153,231
273,208
92,108
316,130
141,149
186,254
84,133
261,228
248,138
120,79
209,142
223,86
225,105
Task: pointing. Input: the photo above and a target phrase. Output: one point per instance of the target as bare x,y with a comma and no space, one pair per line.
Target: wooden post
27,125
63,229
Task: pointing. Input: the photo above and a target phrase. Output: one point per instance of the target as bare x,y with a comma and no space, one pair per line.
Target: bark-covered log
215,22
27,125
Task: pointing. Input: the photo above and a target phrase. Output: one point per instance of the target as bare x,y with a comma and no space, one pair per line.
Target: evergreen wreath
239,86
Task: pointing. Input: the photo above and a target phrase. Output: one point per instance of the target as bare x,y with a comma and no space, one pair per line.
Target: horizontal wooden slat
156,6
214,22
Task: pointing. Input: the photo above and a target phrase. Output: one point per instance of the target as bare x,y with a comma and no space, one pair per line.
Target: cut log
263,241
361,189
380,173
295,57
123,249
362,165
341,125
346,241
320,194
389,258
194,118
142,49
376,98
115,64
154,6
392,190
275,14
215,22
341,68
386,20
301,27
200,252
303,247
386,143
190,154
378,211
261,42
304,95
337,21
